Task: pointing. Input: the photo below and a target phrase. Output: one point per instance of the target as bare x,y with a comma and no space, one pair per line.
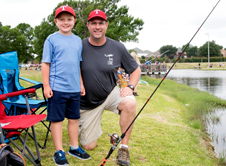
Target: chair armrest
16,93
37,84
29,80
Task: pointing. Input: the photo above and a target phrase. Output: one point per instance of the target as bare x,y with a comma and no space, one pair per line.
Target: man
102,57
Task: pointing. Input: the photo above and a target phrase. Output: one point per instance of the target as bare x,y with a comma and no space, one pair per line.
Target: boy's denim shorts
63,105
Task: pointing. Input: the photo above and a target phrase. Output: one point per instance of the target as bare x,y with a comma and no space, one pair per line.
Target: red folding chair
12,126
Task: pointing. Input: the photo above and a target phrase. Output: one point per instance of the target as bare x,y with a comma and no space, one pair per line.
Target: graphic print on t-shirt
110,60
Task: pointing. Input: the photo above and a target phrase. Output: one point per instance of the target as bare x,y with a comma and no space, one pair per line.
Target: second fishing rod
114,138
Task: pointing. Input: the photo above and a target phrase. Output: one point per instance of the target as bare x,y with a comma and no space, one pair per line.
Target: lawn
166,133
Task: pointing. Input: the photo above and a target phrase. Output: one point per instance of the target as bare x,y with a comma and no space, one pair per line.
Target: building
223,52
141,53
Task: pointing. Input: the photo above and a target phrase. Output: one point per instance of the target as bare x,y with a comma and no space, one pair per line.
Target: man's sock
123,145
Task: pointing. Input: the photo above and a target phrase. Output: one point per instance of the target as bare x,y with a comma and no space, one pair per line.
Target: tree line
194,51
29,41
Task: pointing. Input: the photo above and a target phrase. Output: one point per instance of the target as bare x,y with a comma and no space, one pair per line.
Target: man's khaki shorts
90,121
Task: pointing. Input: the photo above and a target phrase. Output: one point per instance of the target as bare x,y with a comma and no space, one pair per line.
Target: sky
166,22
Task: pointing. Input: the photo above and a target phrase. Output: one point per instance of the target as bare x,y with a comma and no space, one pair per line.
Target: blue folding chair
9,82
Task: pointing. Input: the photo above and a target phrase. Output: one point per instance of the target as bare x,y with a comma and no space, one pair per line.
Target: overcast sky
166,22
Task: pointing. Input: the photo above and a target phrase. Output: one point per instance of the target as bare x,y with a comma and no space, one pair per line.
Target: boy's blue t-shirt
64,55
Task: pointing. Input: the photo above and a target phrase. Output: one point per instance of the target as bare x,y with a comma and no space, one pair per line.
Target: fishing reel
114,138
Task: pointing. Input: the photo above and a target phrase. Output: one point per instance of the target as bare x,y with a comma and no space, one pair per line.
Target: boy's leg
73,131
59,155
56,111
56,132
73,114
75,150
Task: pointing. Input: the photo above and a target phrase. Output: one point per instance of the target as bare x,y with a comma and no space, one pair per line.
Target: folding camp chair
14,125
9,82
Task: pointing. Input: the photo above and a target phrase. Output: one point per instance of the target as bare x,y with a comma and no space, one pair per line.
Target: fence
153,69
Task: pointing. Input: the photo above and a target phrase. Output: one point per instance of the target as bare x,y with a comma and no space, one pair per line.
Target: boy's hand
48,92
83,91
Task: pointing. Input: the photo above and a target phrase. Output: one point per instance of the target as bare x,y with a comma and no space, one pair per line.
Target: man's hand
125,91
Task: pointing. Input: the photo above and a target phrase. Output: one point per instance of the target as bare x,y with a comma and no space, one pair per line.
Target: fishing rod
114,138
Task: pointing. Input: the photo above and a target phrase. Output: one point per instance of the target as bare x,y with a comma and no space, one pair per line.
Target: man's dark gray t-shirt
99,70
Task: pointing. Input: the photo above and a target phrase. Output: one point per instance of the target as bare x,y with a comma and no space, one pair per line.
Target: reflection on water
209,81
213,82
216,124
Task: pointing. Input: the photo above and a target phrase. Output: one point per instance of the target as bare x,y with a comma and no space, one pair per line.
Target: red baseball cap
64,8
97,13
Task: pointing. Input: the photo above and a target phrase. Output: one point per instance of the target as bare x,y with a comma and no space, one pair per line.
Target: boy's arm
45,78
83,91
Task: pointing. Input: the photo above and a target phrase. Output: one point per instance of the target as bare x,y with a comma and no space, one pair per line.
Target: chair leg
38,160
24,144
32,158
28,157
47,133
1,134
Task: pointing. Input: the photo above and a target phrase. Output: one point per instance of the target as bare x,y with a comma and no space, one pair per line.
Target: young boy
63,83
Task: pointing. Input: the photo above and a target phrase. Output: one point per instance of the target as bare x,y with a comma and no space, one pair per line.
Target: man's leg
90,127
127,109
90,146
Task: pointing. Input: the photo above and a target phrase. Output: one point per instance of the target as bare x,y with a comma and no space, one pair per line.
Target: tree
11,39
28,32
41,32
169,49
4,39
191,50
122,27
214,49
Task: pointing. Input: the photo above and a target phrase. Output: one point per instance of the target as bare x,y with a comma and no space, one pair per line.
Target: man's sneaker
123,156
79,153
59,158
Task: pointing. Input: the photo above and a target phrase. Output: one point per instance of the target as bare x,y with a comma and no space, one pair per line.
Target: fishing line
114,138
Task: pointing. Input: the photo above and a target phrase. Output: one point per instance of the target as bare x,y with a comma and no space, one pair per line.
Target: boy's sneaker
59,158
123,156
79,153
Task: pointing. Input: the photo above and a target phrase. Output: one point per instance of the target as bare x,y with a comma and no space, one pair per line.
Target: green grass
167,132
204,66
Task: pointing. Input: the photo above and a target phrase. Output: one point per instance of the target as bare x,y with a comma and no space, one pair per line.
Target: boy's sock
74,147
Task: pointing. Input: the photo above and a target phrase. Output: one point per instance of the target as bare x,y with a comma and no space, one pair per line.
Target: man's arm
135,76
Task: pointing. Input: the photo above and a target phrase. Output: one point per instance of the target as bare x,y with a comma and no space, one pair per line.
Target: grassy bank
168,132
204,66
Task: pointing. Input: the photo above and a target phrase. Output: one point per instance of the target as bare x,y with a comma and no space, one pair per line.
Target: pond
213,82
